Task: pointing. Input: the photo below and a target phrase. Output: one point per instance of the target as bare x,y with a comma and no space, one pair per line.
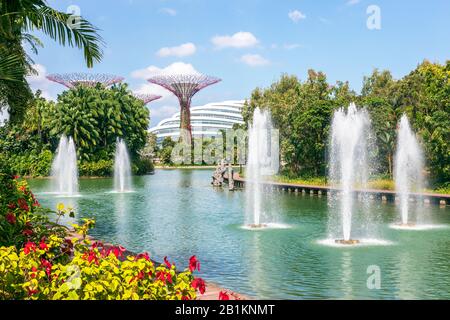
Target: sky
249,43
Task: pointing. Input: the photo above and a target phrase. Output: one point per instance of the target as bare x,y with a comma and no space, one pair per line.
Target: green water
176,213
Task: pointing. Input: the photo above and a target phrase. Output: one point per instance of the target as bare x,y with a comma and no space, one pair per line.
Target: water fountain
64,168
348,166
408,166
122,168
261,160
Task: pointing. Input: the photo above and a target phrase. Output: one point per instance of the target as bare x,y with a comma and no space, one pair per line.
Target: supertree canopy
71,80
146,98
184,87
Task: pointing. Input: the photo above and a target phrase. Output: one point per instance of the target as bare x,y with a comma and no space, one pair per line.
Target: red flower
90,256
118,251
185,298
31,291
23,204
30,246
27,232
43,245
143,256
199,283
160,275
11,218
223,295
168,264
169,277
194,264
11,206
47,265
15,177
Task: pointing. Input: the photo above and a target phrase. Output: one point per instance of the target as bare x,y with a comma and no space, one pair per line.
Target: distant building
206,121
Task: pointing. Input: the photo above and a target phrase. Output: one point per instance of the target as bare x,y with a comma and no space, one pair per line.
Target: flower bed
40,259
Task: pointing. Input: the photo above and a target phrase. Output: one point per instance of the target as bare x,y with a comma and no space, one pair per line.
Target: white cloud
296,15
40,82
150,71
183,50
169,11
352,2
164,111
240,39
174,68
291,46
254,60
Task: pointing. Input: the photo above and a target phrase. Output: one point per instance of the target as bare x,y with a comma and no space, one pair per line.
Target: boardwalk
384,195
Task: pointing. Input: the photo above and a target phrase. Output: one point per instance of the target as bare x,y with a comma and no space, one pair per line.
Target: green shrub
101,168
143,166
32,164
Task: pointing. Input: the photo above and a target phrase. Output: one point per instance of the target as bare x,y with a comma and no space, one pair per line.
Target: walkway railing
383,195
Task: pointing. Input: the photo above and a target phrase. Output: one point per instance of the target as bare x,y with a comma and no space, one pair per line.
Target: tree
17,19
378,95
96,116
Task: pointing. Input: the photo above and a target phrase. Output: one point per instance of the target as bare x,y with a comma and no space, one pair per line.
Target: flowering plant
95,271
22,219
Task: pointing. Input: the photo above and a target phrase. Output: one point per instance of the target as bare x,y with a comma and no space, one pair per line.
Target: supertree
146,98
184,87
71,80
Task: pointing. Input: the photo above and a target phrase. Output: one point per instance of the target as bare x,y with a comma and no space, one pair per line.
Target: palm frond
55,25
11,66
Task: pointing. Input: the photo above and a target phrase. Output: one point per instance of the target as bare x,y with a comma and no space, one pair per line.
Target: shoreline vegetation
381,184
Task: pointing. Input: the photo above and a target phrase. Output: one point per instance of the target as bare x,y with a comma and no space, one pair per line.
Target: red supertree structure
71,80
184,87
146,98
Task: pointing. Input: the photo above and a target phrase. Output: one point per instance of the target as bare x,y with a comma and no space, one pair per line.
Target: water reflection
177,213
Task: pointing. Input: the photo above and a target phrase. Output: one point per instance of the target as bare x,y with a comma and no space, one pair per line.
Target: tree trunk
185,123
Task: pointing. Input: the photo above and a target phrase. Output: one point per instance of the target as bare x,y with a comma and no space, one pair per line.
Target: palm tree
20,17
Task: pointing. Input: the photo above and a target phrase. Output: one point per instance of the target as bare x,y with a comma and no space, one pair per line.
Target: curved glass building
206,120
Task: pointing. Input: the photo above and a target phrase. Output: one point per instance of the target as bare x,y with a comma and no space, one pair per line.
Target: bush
21,217
99,168
143,166
39,261
95,272
32,164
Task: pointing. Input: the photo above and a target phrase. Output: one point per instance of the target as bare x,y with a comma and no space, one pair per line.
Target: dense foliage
94,116
18,18
40,259
302,111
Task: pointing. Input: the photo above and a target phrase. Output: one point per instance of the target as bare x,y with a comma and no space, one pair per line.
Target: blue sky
249,43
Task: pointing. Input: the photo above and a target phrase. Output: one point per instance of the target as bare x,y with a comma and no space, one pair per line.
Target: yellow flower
60,207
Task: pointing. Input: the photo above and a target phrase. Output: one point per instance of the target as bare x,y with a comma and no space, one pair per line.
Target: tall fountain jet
64,168
408,167
348,167
122,168
262,160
